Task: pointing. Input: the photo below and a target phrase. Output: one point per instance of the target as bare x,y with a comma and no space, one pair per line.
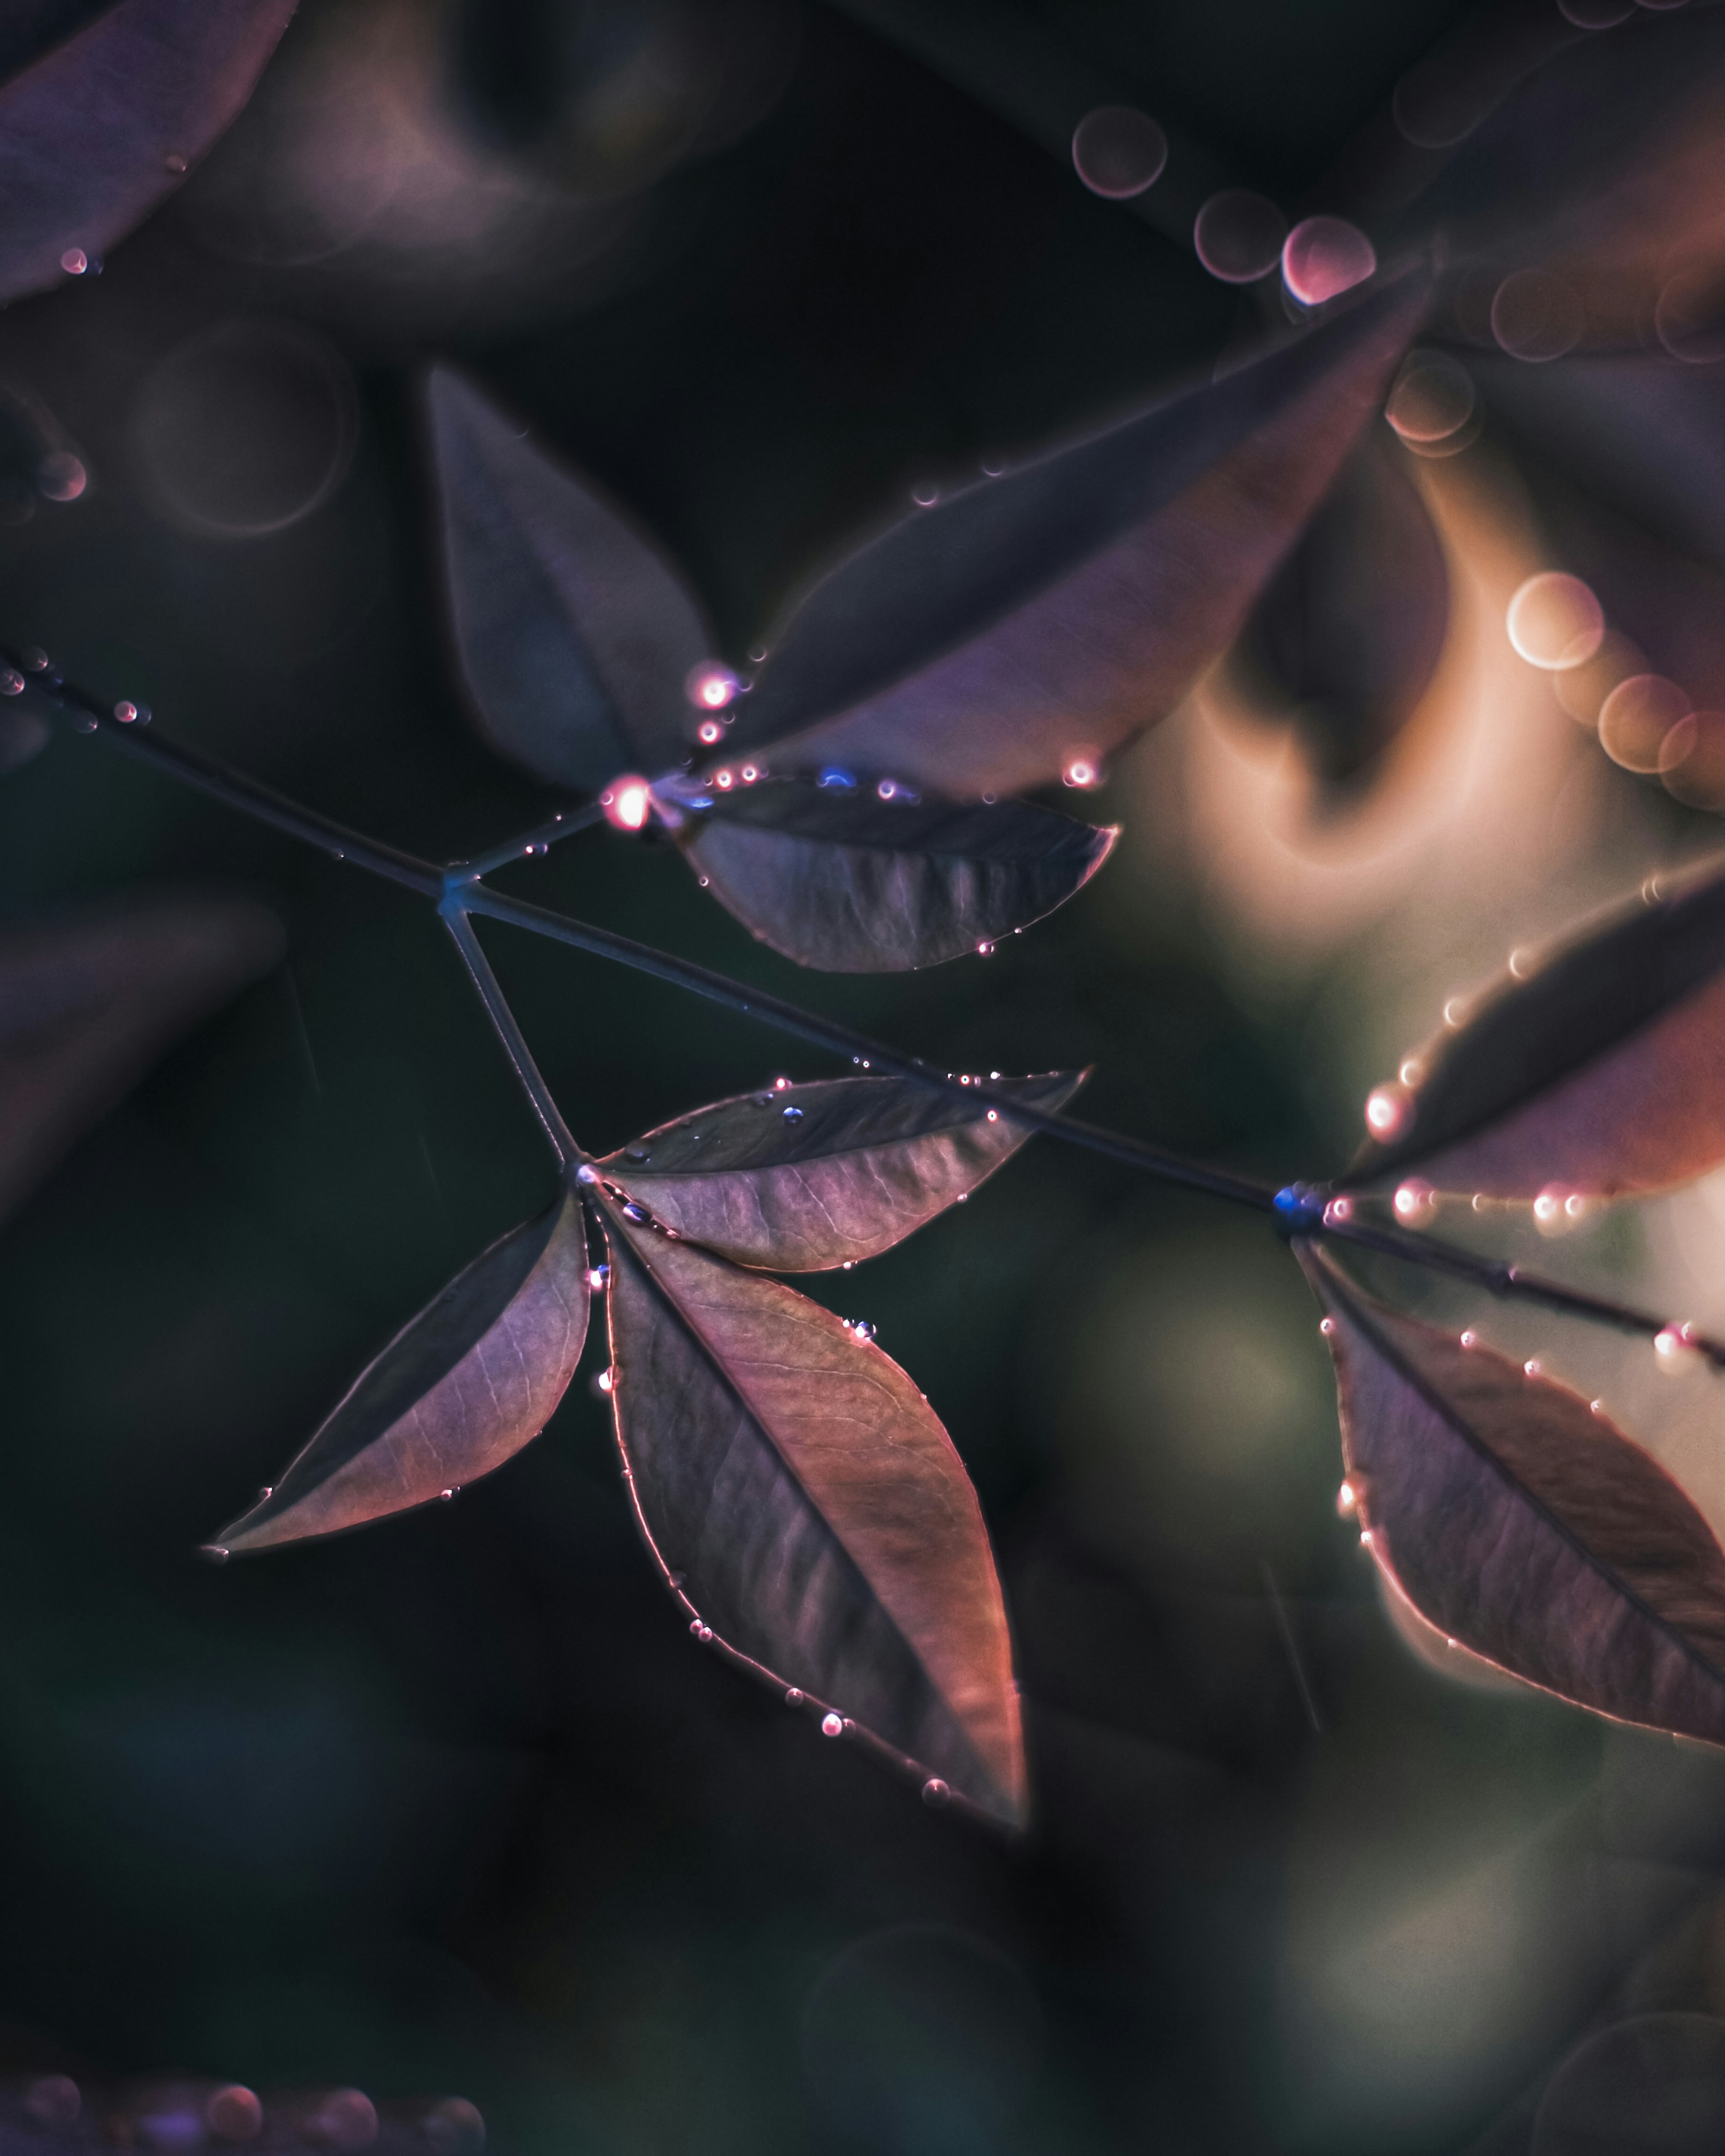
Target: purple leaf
461,1389
575,636
813,1514
1597,1067
1519,1522
837,876
86,1008
805,1177
1049,616
94,135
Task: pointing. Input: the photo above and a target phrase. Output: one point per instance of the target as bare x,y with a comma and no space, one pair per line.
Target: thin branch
539,840
1299,1210
503,1022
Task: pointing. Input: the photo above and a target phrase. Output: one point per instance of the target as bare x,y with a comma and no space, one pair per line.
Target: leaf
816,1176
812,1511
87,1007
96,133
834,877
982,644
1598,1067
1517,1521
460,1388
575,636
1350,630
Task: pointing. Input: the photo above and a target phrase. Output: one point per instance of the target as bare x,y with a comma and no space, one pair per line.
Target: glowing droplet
61,476
835,775
1637,718
1118,151
794,1114
1327,1326
1345,1498
446,1495
173,162
781,1084
1238,236
794,1697
11,683
1554,621
1365,1538
1536,316
1338,1211
1083,771
751,772
1389,1113
218,1555
925,494
605,1382
935,1792
1470,1338
1323,257
627,803
993,1115
709,731
1548,1205
74,262
832,1725
701,1631
887,789
1415,1201
862,1328
710,686
1532,1368
1412,1072
1677,1355
985,950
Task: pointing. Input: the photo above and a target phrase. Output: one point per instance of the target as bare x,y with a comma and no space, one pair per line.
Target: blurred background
452,1805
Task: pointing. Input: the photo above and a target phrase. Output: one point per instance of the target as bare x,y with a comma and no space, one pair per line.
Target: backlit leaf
88,1006
460,1388
814,1513
98,131
1522,1524
835,876
1597,1066
575,636
815,1176
1051,615
1348,632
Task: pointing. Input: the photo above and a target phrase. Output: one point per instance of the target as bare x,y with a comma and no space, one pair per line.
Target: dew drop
1389,1113
887,789
1536,316
1672,1346
267,1491
985,950
1323,257
710,730
61,476
1415,1201
1555,622
74,262
1238,236
710,686
1338,1210
1345,1498
993,467
832,1725
936,1793
1532,1368
794,1697
792,1114
835,775
446,1495
11,683
628,803
173,162
993,1115
1470,1338
631,1211
1118,151
861,1327
1637,717
218,1555
1327,1326
586,1174
925,495
605,1382
1082,771
849,1265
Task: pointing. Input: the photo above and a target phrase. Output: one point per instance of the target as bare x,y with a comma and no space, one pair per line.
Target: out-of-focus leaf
984,644
575,636
1597,1067
1350,630
835,876
1519,1522
812,1511
809,1177
460,1388
22,736
86,1008
98,131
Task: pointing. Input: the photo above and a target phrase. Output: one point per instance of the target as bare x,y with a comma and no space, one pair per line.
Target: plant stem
503,1022
536,841
457,896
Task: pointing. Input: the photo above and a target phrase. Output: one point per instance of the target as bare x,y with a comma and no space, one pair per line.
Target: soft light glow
1412,1072
61,476
1415,1201
1118,151
1431,402
1238,236
1325,256
1555,622
709,731
1691,760
1338,1210
1673,1352
74,262
1345,1498
627,803
1637,718
1082,771
1536,316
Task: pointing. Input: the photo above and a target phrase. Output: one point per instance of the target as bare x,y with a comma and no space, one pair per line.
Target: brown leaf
1519,1522
798,1490
95,134
461,1389
1597,1066
816,1176
87,1007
